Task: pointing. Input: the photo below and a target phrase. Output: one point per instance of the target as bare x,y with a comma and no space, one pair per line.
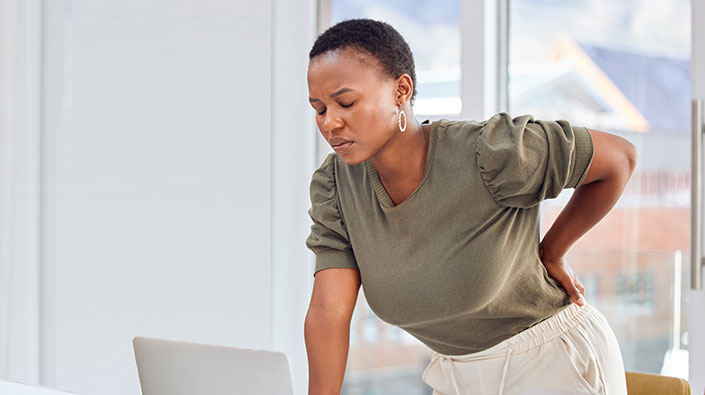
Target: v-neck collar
382,194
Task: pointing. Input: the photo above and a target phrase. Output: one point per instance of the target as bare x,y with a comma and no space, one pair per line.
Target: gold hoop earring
402,114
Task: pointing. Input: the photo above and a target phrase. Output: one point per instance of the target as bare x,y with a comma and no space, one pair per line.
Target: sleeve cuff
584,152
327,259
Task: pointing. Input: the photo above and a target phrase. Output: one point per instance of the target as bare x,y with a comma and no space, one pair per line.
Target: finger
564,278
574,293
577,297
580,286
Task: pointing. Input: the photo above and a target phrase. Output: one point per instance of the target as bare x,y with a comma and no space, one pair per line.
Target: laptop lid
13,388
168,367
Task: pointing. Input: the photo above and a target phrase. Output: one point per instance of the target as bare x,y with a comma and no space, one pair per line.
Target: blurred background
155,159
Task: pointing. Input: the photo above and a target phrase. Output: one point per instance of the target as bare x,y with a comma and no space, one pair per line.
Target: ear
404,89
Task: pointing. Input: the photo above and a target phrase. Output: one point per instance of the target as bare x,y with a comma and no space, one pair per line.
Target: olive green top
456,264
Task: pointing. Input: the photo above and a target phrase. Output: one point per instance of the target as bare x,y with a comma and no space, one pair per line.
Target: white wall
20,54
294,135
156,183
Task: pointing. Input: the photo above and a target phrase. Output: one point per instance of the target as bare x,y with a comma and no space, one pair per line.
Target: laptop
15,388
168,367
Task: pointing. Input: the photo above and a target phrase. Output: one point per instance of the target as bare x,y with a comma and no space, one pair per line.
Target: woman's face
354,102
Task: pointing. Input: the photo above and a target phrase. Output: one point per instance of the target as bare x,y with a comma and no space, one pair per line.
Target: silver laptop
168,367
13,388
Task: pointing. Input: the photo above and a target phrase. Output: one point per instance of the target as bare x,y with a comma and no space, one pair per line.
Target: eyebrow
340,92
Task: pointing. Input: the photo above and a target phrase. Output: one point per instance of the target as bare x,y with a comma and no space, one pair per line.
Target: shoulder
326,170
456,139
458,129
322,188
466,135
523,161
504,137
333,173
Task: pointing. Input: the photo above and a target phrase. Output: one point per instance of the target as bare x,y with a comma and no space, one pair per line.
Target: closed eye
342,105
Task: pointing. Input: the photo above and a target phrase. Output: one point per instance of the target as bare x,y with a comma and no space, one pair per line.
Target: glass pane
622,67
431,28
383,359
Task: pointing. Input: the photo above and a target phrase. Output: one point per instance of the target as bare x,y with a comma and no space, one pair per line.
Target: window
622,67
384,359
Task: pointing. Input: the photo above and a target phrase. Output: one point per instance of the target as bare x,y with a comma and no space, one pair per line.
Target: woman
439,223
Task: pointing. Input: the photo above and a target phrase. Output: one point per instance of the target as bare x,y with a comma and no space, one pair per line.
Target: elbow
632,155
630,159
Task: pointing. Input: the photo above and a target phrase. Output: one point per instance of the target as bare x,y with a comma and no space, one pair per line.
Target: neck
402,159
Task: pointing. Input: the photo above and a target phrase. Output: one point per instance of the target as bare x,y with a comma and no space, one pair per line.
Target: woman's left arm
612,164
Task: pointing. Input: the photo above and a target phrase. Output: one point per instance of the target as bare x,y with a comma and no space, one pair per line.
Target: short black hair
375,38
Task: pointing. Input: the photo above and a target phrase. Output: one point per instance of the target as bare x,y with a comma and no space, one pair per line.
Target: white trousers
573,352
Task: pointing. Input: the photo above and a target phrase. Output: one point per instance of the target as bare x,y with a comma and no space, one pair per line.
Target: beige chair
653,384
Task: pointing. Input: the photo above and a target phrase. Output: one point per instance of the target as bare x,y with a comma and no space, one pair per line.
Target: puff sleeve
328,238
523,161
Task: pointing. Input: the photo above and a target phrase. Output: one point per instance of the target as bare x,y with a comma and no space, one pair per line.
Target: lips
335,141
343,148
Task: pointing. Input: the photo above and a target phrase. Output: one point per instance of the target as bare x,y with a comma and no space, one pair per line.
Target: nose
331,122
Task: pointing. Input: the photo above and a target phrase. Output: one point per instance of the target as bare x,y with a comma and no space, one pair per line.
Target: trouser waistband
543,332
